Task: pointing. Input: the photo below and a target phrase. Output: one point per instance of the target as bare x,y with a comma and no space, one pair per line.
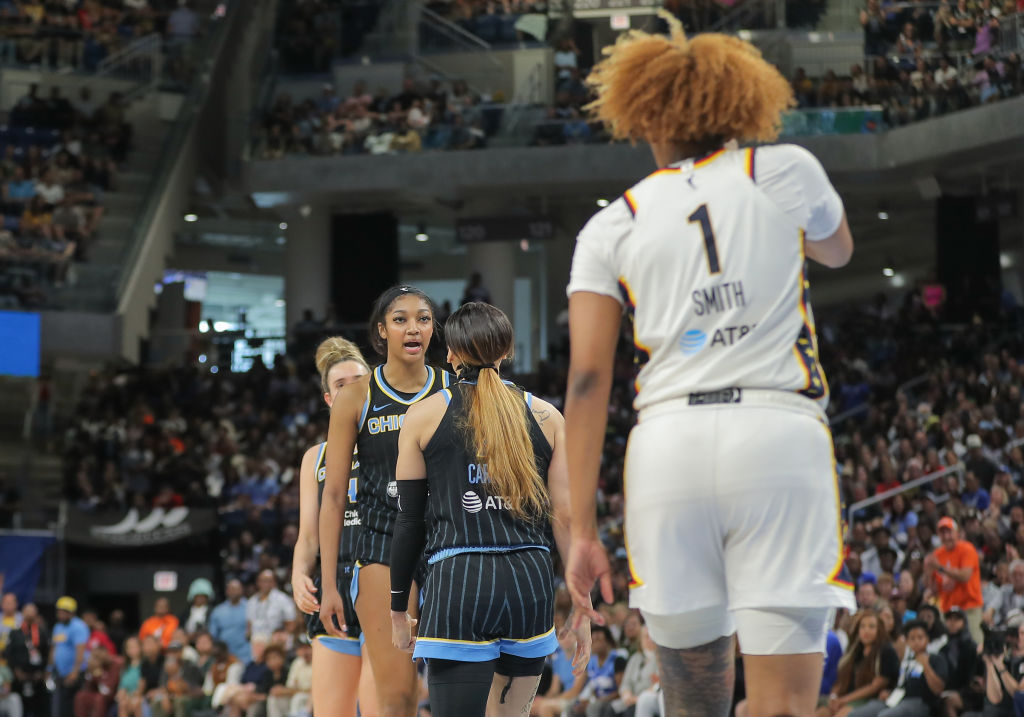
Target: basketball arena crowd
951,427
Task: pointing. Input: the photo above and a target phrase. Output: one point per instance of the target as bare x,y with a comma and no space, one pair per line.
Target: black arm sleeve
407,542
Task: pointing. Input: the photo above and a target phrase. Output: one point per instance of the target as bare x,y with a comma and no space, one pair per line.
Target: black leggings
461,688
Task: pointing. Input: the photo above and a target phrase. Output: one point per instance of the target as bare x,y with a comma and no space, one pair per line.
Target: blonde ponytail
498,422
480,336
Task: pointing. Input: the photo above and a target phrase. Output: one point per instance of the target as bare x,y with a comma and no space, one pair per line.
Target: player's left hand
588,564
402,625
580,629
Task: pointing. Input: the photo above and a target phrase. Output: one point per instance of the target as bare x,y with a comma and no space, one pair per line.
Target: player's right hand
588,564
304,594
332,613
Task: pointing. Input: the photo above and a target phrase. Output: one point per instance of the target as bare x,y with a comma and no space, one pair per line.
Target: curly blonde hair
708,89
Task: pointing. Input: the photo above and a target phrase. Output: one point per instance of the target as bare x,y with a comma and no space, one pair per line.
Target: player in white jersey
732,504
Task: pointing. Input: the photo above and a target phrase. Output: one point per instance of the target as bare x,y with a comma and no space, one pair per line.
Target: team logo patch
692,341
471,502
393,489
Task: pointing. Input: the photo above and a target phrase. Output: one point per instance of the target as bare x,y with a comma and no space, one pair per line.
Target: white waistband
737,397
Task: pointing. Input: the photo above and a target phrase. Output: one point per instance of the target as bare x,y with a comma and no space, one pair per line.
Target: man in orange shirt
955,576
161,625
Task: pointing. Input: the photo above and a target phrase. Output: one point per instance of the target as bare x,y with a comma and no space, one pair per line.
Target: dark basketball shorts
352,643
479,605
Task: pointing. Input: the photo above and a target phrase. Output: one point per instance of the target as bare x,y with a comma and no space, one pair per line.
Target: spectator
961,655
180,687
152,663
116,629
869,666
293,698
921,681
224,673
200,593
161,624
566,58
955,576
871,559
229,622
68,655
641,675
475,290
26,653
97,633
102,674
10,618
602,687
867,595
873,20
269,609
1011,596
1003,672
255,683
565,686
131,687
10,701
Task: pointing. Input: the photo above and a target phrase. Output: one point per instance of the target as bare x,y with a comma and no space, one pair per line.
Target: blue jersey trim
353,586
468,651
529,399
494,549
447,396
382,384
366,409
342,645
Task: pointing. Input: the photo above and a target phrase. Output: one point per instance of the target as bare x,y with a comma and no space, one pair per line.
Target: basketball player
339,676
732,505
368,413
492,458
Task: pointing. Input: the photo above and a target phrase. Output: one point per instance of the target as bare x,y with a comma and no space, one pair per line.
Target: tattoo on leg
504,691
533,696
698,680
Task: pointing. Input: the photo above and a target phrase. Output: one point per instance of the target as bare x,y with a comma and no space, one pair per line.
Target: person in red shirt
97,634
955,577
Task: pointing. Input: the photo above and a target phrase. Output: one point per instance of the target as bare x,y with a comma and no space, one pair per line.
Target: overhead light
602,202
282,226
204,326
421,233
899,281
213,369
1005,260
202,358
888,271
221,326
883,215
191,218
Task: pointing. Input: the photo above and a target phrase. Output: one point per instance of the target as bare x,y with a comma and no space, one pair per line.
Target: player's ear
381,331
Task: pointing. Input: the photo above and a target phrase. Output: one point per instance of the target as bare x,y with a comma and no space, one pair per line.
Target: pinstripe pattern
477,605
378,453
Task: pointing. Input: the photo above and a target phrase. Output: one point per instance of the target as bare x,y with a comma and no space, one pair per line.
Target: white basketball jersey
708,257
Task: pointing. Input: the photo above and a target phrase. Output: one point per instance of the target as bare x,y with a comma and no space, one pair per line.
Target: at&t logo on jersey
472,503
694,340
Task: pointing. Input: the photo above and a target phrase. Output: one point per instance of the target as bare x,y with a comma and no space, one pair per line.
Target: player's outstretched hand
580,630
304,593
332,613
588,564
402,625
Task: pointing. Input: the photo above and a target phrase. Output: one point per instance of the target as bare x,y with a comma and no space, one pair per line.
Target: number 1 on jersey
710,249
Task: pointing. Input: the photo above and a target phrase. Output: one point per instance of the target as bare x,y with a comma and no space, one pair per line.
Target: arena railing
959,469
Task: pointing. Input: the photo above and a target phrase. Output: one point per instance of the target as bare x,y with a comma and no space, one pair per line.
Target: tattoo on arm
541,414
698,680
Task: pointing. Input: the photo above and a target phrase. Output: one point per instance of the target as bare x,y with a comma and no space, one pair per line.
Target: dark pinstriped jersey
350,533
461,511
377,442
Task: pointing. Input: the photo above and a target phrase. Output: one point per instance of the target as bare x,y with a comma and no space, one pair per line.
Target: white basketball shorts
733,506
